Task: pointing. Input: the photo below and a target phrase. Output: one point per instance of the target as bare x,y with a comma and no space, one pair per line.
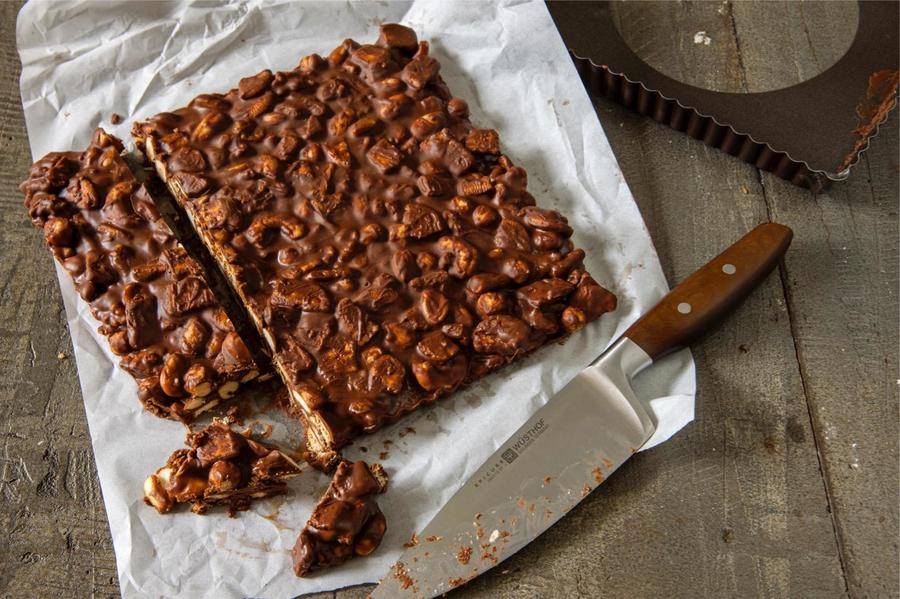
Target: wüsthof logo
529,436
512,453
509,455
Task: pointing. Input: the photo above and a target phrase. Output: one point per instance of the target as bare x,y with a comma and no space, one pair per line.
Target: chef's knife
575,441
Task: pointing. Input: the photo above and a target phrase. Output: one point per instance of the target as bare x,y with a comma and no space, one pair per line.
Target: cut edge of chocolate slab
319,438
189,238
41,209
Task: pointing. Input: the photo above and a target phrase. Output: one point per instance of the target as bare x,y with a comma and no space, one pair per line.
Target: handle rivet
684,308
729,269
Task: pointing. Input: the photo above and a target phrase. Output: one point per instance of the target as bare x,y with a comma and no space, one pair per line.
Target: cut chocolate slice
346,522
150,297
220,466
385,248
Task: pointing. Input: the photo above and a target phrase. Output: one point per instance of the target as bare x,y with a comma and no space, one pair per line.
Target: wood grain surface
785,485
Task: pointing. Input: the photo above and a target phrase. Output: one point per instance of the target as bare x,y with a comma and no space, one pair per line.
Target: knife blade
577,439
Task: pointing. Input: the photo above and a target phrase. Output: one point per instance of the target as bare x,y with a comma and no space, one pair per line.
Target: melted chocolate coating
220,466
150,297
346,522
385,248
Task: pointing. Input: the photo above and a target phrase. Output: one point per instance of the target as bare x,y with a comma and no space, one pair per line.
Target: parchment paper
83,61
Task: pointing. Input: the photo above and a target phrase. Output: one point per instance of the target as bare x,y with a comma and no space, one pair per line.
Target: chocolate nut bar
150,297
346,522
386,249
220,466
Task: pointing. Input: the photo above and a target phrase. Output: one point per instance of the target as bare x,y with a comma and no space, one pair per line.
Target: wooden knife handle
708,295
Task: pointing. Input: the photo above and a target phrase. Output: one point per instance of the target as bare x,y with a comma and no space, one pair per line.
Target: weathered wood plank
842,283
55,539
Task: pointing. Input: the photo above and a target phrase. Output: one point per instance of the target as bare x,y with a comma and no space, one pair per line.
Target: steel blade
564,451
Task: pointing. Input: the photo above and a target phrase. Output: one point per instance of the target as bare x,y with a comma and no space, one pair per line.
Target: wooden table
785,485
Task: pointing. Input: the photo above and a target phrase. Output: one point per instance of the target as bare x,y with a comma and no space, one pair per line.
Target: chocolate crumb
402,574
115,118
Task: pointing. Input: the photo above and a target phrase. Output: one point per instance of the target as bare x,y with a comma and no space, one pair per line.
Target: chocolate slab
150,297
386,249
810,133
346,521
220,466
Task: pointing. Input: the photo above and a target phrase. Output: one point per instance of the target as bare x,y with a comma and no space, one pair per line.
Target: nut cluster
150,297
346,522
386,249
219,466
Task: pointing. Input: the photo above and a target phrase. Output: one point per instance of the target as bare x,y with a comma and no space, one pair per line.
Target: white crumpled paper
82,61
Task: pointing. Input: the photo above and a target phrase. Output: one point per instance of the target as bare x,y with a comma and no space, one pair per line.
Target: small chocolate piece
148,294
115,118
359,215
346,521
220,466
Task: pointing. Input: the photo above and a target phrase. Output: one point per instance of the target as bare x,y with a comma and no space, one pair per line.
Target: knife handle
708,295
